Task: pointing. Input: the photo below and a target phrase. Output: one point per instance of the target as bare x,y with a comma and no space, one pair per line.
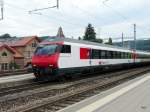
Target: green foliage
109,41
4,36
97,40
79,38
89,33
14,65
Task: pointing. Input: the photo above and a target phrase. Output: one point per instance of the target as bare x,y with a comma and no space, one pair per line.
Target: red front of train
45,60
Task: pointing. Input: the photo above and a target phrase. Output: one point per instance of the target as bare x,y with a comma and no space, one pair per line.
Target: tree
79,38
109,41
89,33
4,36
98,40
13,65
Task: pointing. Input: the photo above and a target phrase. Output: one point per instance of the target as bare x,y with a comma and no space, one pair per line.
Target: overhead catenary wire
58,19
114,10
50,18
55,6
120,14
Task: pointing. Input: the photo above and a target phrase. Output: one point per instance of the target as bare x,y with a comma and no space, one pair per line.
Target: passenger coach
62,56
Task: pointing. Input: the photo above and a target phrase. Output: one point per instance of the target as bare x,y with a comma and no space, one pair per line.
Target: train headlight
34,65
50,65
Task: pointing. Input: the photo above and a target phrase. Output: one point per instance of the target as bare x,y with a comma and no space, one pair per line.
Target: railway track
34,84
57,98
16,72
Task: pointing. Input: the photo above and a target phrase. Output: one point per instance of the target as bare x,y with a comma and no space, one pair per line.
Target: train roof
55,39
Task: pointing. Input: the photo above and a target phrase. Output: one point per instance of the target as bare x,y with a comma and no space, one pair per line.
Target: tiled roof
24,41
15,52
6,46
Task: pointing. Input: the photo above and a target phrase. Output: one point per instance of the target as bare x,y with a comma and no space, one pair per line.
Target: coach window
113,54
66,49
116,55
95,54
109,55
119,55
126,56
103,54
129,55
122,55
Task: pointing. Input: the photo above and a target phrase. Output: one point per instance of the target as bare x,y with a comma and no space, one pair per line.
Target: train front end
45,61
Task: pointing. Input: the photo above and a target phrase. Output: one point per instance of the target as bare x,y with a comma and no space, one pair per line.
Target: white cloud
74,15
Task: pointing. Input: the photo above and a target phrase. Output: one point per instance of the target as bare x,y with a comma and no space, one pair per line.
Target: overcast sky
110,17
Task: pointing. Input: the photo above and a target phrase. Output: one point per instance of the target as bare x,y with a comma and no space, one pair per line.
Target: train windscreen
46,50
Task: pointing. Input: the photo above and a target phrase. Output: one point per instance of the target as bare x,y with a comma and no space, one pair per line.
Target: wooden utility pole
2,9
122,40
134,36
57,4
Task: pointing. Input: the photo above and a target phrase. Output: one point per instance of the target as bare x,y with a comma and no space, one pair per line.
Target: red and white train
63,56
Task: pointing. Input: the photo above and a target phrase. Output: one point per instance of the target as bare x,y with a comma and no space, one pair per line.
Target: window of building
34,44
4,54
66,49
29,54
4,66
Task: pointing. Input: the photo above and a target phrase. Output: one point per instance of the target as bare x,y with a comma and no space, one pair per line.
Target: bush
14,65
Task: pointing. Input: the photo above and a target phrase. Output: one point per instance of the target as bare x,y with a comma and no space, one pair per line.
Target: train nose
45,61
39,61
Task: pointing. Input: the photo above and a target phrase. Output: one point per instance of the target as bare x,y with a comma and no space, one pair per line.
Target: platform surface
15,78
132,96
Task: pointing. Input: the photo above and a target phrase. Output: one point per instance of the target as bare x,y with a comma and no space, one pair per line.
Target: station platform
132,96
15,79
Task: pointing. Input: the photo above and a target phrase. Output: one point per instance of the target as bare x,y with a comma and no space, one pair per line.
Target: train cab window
66,49
46,49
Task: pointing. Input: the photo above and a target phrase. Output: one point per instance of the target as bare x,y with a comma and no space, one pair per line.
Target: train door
134,56
85,56
90,57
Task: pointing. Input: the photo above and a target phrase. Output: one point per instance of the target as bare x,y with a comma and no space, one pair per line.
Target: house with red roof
17,54
25,47
8,56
